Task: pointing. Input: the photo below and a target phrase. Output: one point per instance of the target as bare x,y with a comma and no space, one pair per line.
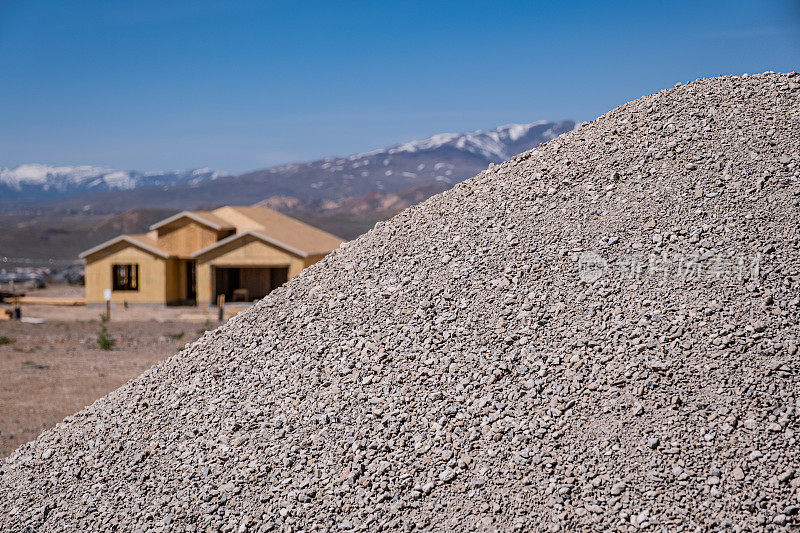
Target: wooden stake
17,311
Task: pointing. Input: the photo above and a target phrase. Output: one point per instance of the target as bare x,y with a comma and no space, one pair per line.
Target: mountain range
446,159
343,195
35,183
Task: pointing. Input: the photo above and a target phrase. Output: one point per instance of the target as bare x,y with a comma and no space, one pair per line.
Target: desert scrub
104,342
6,340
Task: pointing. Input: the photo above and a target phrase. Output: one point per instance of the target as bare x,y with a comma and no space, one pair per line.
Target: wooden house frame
194,256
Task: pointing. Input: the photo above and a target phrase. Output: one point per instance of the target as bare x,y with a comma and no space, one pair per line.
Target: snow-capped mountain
35,182
443,159
497,144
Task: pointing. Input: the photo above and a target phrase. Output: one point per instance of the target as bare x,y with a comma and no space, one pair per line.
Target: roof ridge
134,239
197,216
284,216
252,233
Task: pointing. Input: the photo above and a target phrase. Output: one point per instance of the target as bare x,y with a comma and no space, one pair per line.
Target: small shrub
104,342
175,336
6,340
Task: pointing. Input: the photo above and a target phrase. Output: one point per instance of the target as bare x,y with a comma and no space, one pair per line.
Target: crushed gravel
600,334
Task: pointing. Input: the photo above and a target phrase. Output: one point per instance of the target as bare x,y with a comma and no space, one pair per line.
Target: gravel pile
600,334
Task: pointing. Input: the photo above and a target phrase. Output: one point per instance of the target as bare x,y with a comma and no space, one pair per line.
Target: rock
447,475
595,335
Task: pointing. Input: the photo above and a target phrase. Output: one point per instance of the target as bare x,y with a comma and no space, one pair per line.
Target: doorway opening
246,284
191,282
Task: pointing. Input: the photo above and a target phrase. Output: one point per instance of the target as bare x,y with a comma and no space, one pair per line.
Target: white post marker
107,297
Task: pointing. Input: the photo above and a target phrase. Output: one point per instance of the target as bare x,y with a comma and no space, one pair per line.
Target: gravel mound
599,334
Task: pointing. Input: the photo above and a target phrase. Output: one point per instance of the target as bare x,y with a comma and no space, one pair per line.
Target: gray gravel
600,334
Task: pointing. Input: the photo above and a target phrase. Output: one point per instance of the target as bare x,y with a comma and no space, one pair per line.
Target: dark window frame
125,277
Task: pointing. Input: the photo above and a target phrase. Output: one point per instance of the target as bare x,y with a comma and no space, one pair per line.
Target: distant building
194,256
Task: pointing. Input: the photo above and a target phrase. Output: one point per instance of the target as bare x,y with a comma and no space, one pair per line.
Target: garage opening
246,284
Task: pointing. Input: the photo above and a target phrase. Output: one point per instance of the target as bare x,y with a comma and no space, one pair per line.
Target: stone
595,335
447,475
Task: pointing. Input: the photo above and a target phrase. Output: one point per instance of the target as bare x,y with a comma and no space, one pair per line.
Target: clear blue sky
238,85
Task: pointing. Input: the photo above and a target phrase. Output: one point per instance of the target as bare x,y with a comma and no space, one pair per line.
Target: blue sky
238,85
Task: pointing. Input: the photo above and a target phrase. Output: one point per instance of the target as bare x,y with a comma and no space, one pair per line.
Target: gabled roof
139,240
285,231
203,217
262,223
237,236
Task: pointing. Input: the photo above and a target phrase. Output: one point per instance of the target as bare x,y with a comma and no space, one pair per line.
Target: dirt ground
52,369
